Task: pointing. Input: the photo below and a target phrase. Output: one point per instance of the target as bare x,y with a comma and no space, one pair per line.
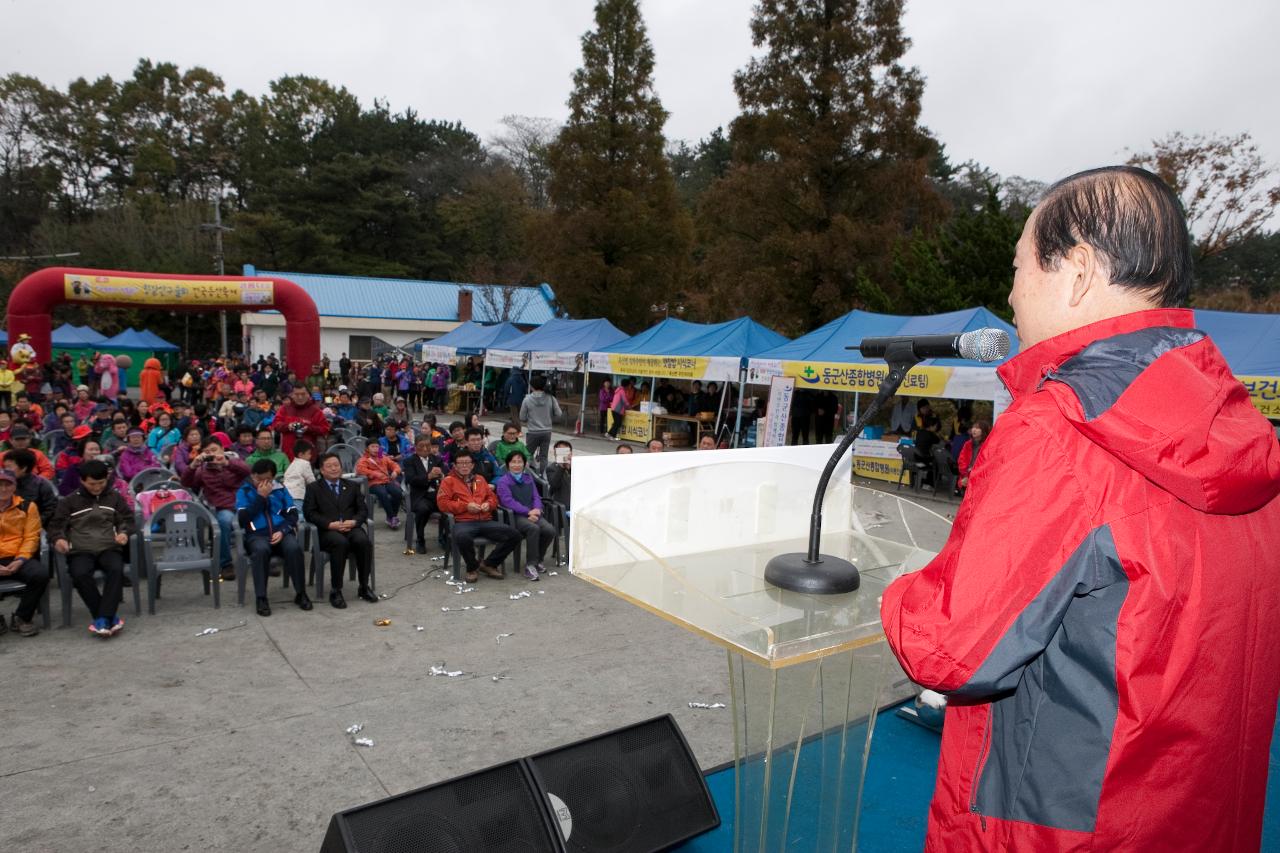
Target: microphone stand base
828,576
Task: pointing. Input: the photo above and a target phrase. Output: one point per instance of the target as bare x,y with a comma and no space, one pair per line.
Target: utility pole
218,228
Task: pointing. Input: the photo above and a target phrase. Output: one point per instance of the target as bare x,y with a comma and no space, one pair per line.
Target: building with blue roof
361,316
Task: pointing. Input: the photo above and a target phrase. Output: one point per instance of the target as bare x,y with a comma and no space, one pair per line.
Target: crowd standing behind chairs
86,466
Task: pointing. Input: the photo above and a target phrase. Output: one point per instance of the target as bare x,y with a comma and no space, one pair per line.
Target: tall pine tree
830,166
617,239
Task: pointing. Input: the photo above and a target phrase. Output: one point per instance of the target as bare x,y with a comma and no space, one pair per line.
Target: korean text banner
715,368
137,290
506,358
1264,391
920,381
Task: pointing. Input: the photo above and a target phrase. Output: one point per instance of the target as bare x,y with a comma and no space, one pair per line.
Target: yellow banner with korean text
1264,391
920,381
158,292
672,366
636,426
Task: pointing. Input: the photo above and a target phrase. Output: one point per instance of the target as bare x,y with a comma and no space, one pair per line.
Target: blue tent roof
473,338
1250,342
69,336
408,299
133,339
739,338
828,342
562,335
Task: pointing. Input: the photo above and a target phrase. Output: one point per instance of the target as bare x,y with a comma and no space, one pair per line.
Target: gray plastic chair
359,442
9,585
147,478
480,542
348,455
182,536
130,571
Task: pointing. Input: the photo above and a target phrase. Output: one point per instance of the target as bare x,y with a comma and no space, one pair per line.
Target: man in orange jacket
466,496
19,539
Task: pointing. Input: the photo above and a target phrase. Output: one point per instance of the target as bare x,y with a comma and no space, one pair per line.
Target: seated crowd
260,462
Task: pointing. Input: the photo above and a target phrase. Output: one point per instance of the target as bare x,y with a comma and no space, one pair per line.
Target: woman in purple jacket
518,492
604,399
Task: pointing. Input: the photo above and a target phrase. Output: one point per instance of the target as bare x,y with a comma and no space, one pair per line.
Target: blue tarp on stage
827,344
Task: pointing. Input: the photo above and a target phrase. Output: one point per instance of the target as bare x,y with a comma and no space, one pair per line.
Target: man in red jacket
300,417
1103,617
471,501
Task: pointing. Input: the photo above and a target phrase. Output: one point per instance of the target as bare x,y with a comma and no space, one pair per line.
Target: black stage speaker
492,810
634,789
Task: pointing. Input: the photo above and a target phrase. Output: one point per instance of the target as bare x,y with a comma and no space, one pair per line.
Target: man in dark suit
338,510
423,471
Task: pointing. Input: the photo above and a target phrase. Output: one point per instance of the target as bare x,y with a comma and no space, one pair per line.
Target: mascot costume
149,381
109,376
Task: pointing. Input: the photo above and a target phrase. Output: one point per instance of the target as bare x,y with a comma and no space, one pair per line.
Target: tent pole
737,427
582,412
484,366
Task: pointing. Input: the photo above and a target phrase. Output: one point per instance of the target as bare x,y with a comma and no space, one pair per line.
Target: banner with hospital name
876,460
714,368
1264,391
506,358
162,292
956,383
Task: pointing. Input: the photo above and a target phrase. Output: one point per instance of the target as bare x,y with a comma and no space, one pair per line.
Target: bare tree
523,145
503,303
1225,185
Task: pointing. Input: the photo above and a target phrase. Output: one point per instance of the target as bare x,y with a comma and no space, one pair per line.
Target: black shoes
367,595
264,607
336,599
302,601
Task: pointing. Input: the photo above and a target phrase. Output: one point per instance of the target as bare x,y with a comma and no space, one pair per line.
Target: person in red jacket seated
969,452
1102,617
300,417
466,496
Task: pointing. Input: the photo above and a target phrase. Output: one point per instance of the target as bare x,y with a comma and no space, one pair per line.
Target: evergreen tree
830,166
616,239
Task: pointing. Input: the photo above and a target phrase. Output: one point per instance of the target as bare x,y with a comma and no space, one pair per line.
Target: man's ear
1082,262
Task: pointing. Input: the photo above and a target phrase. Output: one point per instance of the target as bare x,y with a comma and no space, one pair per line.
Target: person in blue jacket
267,515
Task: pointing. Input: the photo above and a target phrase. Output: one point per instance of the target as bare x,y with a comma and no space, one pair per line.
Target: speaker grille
493,810
636,789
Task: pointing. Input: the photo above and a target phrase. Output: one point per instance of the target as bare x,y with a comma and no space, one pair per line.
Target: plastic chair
9,585
347,455
190,537
944,473
359,442
912,467
147,478
130,571
481,543
310,541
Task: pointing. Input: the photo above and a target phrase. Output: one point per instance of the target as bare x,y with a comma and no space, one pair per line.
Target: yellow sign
877,468
636,427
131,290
1265,393
920,381
673,366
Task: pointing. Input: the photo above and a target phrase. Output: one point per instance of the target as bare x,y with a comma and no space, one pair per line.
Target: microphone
978,345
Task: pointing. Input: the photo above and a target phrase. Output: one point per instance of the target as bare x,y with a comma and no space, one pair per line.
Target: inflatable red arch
33,299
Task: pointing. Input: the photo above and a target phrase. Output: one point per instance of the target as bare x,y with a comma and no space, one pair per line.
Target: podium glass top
700,563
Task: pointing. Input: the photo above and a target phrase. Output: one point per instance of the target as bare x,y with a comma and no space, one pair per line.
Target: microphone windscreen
984,344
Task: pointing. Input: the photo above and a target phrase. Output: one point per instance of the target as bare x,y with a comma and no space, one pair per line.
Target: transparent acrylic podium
687,536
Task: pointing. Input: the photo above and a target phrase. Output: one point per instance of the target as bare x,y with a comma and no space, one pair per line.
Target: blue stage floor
904,758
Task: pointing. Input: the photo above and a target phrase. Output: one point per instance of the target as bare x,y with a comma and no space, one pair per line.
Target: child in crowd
300,472
382,472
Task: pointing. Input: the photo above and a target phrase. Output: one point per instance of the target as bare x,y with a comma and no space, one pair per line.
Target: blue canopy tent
682,350
1251,345
470,338
139,346
78,342
820,359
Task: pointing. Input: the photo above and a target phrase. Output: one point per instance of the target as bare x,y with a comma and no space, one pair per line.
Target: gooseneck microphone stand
824,574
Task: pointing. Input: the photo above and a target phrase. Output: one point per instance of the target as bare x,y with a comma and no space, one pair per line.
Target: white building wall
265,332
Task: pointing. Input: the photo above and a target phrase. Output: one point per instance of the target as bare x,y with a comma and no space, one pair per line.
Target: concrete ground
164,740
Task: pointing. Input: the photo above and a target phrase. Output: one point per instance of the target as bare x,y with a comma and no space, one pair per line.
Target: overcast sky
1031,88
